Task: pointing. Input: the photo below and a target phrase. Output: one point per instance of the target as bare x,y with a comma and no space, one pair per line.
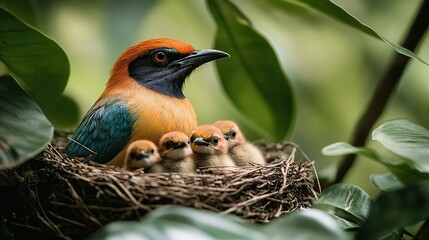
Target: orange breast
155,114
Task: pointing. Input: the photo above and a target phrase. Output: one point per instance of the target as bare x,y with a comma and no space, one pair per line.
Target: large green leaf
252,78
406,139
306,224
404,172
394,209
35,60
338,13
348,198
386,182
187,223
23,9
24,129
181,223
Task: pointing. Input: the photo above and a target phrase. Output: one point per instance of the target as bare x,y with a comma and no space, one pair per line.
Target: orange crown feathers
120,68
207,131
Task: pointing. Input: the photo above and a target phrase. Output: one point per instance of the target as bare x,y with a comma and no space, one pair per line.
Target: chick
242,152
176,154
210,147
141,154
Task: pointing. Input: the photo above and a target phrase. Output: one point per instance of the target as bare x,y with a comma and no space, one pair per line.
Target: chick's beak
142,155
199,57
201,142
180,145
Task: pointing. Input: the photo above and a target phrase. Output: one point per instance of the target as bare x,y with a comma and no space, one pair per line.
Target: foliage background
333,68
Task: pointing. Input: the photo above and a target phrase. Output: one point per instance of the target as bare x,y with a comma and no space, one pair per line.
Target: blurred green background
333,68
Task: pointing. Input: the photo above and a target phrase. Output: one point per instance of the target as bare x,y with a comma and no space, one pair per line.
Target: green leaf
22,9
342,148
346,225
306,224
24,129
406,139
386,182
423,232
404,172
349,198
37,62
393,236
252,78
182,223
395,209
338,13
290,8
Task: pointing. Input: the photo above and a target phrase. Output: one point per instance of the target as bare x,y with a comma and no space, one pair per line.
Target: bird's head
175,145
231,132
141,154
161,64
208,139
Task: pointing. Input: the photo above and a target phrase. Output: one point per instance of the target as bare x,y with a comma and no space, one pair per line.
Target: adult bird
143,99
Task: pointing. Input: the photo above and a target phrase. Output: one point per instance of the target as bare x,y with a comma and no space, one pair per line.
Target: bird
141,154
210,147
143,99
241,151
176,154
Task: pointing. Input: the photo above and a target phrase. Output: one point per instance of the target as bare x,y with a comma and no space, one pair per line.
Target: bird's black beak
201,142
199,57
180,145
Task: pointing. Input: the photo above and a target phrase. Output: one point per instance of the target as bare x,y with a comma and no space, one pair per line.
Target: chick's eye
160,57
233,134
215,140
152,151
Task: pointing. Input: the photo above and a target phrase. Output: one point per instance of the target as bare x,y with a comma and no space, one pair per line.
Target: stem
385,88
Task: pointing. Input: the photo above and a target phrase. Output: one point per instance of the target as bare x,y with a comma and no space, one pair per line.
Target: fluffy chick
176,154
141,154
242,152
210,147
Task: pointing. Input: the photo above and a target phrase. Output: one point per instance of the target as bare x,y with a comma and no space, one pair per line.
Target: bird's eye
160,57
233,134
152,151
189,141
215,140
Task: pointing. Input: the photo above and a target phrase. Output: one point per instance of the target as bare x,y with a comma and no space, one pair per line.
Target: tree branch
385,88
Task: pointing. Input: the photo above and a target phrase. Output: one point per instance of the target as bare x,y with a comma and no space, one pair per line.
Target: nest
52,196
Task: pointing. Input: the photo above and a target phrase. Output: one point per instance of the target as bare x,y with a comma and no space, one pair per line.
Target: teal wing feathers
103,133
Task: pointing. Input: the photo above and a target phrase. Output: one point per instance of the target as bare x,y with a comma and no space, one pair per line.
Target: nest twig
55,196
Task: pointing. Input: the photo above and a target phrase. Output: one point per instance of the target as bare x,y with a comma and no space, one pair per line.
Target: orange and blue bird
143,99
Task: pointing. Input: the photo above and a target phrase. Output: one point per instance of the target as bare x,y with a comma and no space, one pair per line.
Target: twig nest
52,195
